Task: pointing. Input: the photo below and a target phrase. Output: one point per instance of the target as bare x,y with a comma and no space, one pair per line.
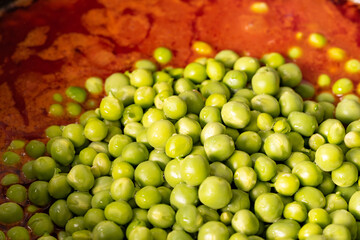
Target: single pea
18,233
245,221
221,170
94,85
148,173
53,131
333,230
273,59
62,151
77,94
227,57
281,125
335,201
107,230
196,72
265,168
111,108
101,199
266,104
295,211
277,146
324,80
75,224
101,165
16,144
147,197
56,110
286,228
329,157
311,197
162,76
219,147
235,79
305,90
16,193
302,123
266,80
342,86
248,65
38,193
144,64
57,97
189,218
235,114
290,102
152,115
215,70
59,187
182,85
210,114
352,66
81,178
329,109
120,212
325,97
172,172
287,184
92,217
183,194
352,139
141,77
40,223
35,148
79,202
194,101
28,170
95,130
161,216
44,168
347,111
264,121
10,213
213,230
10,158
60,213
245,178
74,109
290,74
308,173
333,130
268,207
194,169
317,40
295,52
346,175
202,48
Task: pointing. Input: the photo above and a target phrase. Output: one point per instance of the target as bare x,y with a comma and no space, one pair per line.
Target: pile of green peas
228,147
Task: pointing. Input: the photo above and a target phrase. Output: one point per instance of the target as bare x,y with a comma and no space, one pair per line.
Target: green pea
148,173
268,207
95,130
120,212
44,168
213,230
309,230
62,151
53,131
92,217
245,178
329,157
147,197
189,218
295,211
57,97
101,199
277,146
290,74
107,230
212,129
183,194
79,202
10,213
290,102
286,228
178,145
235,79
196,72
101,184
215,70
172,172
10,179
182,85
211,87
333,230
59,187
16,193
35,148
235,114
326,97
94,85
258,189
159,132
60,213
311,197
81,178
302,123
126,94
74,109
174,107
346,175
308,173
335,202
40,224
266,81
135,153
245,221
162,55
265,168
56,110
74,132
77,94
248,65
162,76
18,233
75,224
352,139
353,156
266,103
342,86
305,90
227,57
16,144
211,114
38,193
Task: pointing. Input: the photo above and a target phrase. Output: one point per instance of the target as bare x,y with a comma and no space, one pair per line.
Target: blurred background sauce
50,45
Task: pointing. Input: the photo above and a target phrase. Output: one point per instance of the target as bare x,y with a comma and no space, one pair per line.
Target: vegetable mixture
228,147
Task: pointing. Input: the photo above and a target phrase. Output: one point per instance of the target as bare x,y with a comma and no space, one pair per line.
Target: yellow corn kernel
295,52
352,66
259,7
202,48
299,35
336,54
317,40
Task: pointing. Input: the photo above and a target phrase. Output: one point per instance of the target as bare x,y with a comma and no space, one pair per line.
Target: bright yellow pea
352,66
259,7
336,54
295,52
317,40
202,48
